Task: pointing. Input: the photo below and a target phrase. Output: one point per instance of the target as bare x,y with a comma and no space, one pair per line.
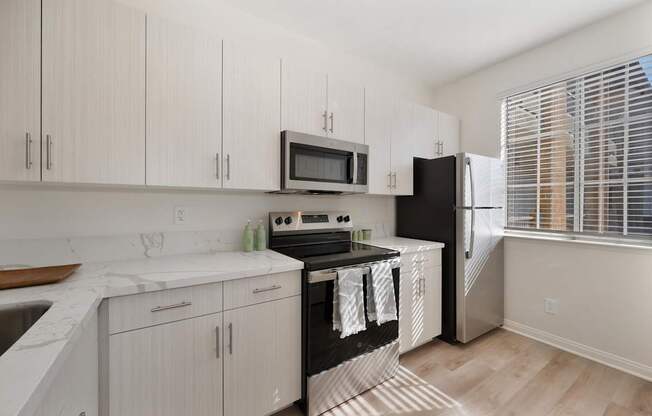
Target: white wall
42,211
476,99
605,293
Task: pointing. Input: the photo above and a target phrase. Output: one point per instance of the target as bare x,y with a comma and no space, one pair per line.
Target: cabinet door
378,135
431,302
449,134
262,365
252,119
93,92
410,320
401,148
345,111
184,115
20,67
303,100
167,370
74,389
424,131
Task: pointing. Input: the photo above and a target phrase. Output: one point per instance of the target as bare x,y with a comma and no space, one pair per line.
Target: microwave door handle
350,169
355,167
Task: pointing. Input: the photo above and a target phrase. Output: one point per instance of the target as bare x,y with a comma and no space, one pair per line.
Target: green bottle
261,238
248,238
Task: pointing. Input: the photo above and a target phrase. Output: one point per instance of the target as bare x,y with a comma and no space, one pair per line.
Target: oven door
320,164
325,348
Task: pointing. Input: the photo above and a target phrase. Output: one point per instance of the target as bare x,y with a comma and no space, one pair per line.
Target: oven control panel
309,221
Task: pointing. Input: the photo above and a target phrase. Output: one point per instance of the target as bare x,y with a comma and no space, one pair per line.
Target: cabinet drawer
153,308
430,258
243,292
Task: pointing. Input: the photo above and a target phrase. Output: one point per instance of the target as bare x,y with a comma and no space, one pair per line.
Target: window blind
578,154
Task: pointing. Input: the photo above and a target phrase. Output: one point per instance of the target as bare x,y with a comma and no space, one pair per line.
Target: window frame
579,181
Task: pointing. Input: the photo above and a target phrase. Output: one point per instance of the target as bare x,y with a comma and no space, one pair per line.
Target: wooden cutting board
35,276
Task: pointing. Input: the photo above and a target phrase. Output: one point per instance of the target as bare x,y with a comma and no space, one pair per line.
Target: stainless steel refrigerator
458,200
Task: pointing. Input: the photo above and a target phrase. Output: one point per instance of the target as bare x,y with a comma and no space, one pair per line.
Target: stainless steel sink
16,319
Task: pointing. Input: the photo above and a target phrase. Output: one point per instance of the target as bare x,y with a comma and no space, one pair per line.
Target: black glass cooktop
327,255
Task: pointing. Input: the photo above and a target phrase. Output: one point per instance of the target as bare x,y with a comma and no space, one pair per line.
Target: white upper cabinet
424,131
402,148
346,111
315,103
304,100
184,106
379,110
448,135
396,131
93,92
20,66
252,119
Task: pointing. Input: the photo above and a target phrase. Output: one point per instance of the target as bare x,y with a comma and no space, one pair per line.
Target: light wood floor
501,374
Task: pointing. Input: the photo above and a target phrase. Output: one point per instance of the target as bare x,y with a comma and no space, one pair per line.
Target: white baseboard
612,360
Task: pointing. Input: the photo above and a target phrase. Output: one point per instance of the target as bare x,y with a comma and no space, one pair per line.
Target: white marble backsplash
16,253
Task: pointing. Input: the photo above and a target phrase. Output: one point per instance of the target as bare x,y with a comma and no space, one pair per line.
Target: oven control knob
288,220
347,218
278,220
340,218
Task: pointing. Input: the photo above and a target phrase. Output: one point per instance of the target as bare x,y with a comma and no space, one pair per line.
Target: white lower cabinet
74,390
420,299
167,370
262,365
245,360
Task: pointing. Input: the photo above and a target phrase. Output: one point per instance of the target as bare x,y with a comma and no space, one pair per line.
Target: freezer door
484,181
479,255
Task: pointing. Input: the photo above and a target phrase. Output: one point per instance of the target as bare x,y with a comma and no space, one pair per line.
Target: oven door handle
330,274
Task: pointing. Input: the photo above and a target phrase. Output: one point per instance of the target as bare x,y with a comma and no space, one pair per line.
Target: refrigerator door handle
469,253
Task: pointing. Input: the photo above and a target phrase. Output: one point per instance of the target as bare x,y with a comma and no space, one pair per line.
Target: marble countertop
33,361
404,245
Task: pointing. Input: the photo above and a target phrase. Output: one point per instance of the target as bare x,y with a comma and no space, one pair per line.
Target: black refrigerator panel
430,215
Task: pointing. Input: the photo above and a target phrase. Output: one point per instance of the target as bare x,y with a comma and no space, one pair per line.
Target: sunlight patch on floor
406,393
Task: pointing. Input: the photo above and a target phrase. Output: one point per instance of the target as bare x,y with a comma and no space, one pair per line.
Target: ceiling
433,40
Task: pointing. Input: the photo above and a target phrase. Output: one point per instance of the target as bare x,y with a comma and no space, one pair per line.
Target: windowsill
575,240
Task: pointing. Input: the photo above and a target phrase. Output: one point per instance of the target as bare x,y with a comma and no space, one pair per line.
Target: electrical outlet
180,215
551,306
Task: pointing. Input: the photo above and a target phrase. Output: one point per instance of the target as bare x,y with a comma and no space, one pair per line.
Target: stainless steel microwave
320,165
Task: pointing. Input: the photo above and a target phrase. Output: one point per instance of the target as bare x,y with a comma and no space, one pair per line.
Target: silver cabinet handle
231,338
217,341
28,150
332,119
48,151
389,180
394,176
217,165
228,167
175,306
267,289
441,148
325,116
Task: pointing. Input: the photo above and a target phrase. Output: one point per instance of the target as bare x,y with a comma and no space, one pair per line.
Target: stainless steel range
335,369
